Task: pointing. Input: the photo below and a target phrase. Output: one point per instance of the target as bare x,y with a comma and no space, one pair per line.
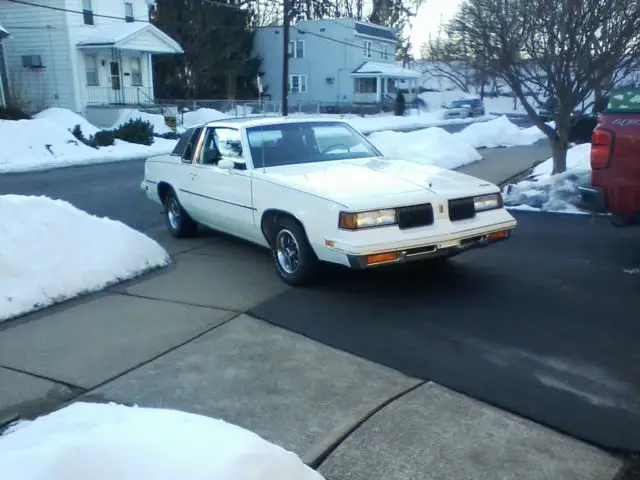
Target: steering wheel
335,146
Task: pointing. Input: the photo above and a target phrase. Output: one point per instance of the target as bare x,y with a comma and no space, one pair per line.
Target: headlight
488,202
359,220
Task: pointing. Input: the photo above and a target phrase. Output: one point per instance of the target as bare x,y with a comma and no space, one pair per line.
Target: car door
222,197
181,174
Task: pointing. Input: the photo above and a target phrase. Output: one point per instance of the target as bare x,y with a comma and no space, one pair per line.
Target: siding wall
323,59
46,36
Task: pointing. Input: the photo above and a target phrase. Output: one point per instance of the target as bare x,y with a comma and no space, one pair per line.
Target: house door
116,90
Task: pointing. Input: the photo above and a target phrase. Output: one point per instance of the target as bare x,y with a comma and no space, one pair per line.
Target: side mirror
226,164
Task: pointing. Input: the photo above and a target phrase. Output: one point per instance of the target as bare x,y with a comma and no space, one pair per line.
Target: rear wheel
179,223
296,262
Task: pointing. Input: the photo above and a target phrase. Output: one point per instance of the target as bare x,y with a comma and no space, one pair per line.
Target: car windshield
306,142
461,103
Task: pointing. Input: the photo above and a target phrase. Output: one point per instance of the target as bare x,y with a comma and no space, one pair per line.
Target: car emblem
441,208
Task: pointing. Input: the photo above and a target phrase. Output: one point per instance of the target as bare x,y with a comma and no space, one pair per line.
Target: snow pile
46,142
200,116
68,119
51,251
434,146
553,193
109,441
156,120
499,133
377,123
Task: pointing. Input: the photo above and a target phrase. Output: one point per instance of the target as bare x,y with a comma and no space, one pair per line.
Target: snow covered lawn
51,251
434,146
366,124
499,133
109,441
46,142
452,150
553,193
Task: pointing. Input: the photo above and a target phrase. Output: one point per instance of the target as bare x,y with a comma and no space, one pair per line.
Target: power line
348,44
113,17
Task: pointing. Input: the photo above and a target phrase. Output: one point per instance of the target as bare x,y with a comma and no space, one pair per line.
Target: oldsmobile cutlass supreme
318,191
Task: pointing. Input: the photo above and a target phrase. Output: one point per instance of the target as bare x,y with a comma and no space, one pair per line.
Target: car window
182,142
221,143
306,142
190,148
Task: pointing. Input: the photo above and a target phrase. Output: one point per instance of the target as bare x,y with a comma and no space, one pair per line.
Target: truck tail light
601,148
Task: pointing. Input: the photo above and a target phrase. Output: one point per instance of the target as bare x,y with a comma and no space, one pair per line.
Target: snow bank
433,146
499,133
202,115
109,441
47,142
67,119
377,123
51,251
157,121
553,193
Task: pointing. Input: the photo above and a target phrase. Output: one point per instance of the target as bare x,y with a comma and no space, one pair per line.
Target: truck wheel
296,262
179,223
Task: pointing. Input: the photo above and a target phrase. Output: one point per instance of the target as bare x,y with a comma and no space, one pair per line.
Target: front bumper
429,250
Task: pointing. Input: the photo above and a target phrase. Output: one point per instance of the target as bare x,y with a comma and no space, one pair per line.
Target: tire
295,261
178,221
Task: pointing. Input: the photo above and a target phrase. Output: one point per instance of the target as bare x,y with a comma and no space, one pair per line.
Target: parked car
615,155
318,191
464,108
582,124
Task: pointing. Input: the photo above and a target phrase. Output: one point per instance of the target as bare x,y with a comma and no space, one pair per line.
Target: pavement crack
178,302
321,457
71,386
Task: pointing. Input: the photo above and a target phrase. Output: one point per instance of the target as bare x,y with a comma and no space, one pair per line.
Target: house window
32,61
298,84
366,85
136,72
384,53
128,12
367,48
296,49
91,68
87,12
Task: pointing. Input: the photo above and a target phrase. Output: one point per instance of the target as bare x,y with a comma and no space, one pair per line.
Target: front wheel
296,262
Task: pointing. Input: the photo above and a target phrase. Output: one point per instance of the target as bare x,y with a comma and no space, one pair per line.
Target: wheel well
163,189
269,222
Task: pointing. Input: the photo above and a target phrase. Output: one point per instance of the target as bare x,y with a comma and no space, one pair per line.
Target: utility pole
285,57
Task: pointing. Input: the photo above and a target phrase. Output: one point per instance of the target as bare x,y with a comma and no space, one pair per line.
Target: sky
428,20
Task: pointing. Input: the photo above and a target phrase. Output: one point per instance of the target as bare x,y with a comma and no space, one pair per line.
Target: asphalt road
545,325
111,190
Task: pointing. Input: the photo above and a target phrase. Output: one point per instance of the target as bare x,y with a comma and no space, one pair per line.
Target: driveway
545,325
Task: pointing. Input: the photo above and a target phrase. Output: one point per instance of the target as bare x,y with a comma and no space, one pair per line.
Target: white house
91,56
3,69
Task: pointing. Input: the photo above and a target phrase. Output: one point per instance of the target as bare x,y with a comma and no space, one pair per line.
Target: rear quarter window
183,142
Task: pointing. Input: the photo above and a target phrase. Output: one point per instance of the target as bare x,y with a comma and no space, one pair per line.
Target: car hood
377,182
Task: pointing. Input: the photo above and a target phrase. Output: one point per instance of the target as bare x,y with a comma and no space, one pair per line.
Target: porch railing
98,96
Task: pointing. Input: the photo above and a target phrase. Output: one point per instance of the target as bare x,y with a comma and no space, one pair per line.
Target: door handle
193,175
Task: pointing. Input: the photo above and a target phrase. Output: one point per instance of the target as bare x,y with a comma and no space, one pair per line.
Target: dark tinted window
182,142
188,141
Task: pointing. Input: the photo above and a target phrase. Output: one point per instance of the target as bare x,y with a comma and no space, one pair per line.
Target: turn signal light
601,148
382,258
501,235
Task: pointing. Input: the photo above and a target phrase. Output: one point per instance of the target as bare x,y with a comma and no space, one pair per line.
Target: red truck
615,159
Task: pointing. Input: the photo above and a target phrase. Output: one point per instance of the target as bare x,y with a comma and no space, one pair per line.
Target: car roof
248,122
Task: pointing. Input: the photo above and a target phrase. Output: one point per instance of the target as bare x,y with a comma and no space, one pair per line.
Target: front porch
375,82
116,65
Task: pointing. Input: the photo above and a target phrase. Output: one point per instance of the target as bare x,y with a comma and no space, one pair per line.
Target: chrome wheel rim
287,251
173,214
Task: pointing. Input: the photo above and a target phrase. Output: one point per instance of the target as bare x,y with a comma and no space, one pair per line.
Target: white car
318,191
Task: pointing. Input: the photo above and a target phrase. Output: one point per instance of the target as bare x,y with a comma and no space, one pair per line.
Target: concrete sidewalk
178,338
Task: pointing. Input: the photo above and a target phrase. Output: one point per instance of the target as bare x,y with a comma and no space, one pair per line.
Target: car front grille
461,209
414,216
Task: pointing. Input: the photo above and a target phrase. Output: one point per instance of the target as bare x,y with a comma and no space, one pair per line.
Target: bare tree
565,48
